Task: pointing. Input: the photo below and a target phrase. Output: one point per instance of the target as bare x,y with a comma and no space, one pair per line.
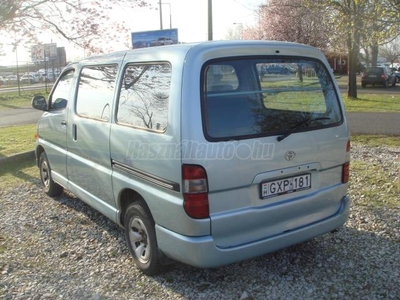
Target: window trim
62,74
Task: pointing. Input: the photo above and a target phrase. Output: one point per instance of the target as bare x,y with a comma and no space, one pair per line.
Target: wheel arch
126,198
39,150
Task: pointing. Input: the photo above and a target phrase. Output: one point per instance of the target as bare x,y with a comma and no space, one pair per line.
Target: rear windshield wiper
298,125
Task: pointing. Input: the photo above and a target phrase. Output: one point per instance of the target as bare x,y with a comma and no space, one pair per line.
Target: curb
16,157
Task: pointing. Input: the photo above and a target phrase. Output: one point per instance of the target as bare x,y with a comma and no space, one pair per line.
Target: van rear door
276,145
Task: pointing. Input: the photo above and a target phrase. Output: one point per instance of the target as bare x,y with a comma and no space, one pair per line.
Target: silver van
206,153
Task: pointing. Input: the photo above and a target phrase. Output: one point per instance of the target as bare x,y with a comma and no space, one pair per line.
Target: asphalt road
19,116
374,123
359,122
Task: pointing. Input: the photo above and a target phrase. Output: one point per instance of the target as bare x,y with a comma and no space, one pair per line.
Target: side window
96,91
144,97
59,98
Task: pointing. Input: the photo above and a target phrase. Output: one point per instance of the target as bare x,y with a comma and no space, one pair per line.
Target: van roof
183,49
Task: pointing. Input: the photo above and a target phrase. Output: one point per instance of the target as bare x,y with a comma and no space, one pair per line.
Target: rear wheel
385,84
141,238
50,187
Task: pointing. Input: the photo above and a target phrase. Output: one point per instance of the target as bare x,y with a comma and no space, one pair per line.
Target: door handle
64,123
74,132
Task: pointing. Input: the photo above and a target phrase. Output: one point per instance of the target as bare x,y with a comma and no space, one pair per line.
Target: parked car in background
50,77
11,79
2,81
161,41
396,72
378,76
28,79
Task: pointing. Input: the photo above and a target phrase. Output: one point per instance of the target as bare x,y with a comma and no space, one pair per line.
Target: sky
188,16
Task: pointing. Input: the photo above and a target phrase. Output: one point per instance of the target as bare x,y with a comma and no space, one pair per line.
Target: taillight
384,76
348,146
195,191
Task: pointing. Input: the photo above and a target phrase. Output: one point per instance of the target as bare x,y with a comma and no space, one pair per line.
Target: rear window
245,98
374,71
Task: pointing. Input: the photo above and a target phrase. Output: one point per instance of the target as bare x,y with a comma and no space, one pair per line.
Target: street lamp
170,14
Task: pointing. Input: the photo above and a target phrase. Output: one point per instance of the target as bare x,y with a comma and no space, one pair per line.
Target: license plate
285,186
372,76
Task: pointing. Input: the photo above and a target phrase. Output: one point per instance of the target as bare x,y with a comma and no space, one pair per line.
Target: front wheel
50,187
141,238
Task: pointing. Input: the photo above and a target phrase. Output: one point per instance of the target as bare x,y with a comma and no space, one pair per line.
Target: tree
391,51
381,26
85,23
367,21
294,21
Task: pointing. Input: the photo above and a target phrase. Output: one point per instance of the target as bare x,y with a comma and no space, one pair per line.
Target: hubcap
44,173
138,238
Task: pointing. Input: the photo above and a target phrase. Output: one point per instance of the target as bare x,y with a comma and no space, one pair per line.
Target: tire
385,84
394,82
141,238
50,187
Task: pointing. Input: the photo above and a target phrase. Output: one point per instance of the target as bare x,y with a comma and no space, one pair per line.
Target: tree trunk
374,55
353,58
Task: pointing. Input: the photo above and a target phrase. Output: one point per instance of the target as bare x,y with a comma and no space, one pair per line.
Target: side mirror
39,102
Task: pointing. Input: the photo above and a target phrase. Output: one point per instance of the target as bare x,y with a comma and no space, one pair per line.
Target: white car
161,42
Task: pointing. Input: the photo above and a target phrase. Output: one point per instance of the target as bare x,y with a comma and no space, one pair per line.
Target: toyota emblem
290,155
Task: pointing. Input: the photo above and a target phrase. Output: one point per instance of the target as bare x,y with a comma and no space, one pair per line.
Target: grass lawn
18,172
16,139
12,100
376,140
373,103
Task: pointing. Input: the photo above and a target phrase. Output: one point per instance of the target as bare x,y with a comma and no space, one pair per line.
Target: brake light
384,76
195,191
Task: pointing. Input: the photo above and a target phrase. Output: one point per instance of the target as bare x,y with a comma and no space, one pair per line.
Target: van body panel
161,200
88,160
91,199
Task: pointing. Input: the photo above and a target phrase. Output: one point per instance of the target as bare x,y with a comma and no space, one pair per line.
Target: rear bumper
376,81
201,251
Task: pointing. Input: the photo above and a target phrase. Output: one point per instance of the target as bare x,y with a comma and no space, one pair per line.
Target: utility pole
160,4
210,25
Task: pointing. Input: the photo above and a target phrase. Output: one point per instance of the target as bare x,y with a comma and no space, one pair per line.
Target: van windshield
245,98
